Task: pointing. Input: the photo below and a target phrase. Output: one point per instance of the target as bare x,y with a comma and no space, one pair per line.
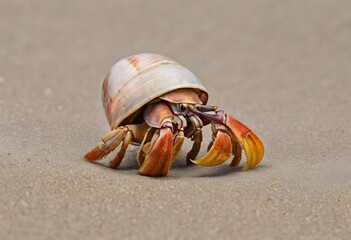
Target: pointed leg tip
115,163
94,155
189,162
152,174
192,162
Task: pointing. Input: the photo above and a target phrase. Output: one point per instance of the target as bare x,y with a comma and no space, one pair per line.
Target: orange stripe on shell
134,62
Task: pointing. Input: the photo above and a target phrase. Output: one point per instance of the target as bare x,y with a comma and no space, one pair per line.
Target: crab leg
116,161
237,154
194,132
197,138
145,145
177,144
108,143
159,154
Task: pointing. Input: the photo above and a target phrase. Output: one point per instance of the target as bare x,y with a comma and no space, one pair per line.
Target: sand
281,67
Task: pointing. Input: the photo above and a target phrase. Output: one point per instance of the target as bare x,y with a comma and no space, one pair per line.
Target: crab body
154,102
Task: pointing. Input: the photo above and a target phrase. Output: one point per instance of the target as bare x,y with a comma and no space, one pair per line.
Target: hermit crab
154,102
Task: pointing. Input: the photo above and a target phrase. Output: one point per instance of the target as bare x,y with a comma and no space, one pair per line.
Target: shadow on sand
180,169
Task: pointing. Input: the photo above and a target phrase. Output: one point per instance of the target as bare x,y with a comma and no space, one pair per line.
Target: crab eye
182,107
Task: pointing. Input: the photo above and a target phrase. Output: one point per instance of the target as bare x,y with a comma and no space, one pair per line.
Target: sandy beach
281,67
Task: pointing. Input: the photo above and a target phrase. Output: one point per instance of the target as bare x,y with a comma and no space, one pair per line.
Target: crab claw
219,152
235,136
158,157
249,141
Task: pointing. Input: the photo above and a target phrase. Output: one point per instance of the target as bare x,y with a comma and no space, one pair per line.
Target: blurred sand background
281,67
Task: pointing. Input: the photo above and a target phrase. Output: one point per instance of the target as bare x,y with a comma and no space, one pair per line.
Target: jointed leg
237,151
195,133
113,139
145,145
108,143
213,137
177,144
197,138
116,161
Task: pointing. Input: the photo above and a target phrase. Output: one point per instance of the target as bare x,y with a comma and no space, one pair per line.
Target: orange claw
219,151
251,144
158,158
241,137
